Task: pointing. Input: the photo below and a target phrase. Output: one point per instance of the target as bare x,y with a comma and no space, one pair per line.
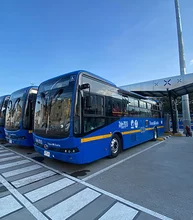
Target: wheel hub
114,146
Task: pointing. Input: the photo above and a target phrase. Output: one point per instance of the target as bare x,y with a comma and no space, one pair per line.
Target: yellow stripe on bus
148,129
94,138
130,132
99,137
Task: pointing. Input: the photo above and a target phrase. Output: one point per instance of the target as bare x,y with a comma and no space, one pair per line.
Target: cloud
191,62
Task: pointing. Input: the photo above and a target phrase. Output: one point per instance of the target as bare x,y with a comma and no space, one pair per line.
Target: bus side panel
143,132
96,149
96,145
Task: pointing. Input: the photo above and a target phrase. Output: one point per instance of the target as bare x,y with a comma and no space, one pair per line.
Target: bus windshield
3,106
1,111
14,111
53,108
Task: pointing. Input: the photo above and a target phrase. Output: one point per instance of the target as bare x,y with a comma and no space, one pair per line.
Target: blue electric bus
20,115
81,117
3,105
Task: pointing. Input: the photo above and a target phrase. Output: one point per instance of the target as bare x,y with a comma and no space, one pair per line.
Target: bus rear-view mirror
85,86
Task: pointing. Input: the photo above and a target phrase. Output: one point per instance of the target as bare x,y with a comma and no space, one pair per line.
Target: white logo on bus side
123,124
132,123
153,123
136,124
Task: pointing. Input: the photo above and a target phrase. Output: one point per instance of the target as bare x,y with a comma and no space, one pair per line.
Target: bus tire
115,146
155,136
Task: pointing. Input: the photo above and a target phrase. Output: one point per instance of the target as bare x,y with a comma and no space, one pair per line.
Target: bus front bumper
17,138
66,157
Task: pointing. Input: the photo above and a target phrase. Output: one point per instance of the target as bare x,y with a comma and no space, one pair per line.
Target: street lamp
185,98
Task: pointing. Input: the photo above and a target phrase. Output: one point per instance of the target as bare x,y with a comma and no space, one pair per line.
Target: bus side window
125,104
97,105
109,107
92,123
94,116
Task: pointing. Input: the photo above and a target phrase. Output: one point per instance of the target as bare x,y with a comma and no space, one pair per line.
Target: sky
124,41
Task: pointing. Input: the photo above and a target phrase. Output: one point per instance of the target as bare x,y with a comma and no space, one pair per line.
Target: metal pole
171,112
176,114
185,98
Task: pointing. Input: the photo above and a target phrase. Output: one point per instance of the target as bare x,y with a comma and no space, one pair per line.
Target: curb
163,138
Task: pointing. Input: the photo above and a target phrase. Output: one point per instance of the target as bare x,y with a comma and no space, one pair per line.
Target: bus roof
99,77
3,96
26,88
77,72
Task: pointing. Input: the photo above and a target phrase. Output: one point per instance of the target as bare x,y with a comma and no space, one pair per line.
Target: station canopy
177,85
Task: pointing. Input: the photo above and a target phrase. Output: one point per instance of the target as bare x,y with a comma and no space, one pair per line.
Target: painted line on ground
6,154
2,150
119,162
9,158
70,206
49,189
119,211
32,179
8,204
8,165
29,206
21,170
118,198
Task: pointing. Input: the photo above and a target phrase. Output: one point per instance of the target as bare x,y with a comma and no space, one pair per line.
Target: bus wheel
154,134
115,146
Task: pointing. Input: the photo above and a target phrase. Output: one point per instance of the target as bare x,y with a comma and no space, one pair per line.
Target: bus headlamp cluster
15,137
56,149
71,150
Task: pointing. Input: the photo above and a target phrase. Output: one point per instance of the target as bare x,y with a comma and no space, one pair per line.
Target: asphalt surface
160,179
31,190
79,171
150,181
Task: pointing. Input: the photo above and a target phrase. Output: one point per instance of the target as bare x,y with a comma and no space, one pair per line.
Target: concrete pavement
31,190
160,179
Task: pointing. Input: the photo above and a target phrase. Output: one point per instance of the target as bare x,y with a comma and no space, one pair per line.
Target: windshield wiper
13,109
58,93
55,96
10,102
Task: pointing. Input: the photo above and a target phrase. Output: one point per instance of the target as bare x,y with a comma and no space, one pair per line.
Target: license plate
10,141
46,153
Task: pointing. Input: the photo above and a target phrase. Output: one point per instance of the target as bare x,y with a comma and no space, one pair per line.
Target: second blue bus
20,116
3,106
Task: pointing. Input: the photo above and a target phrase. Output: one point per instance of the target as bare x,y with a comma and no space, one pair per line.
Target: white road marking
22,170
31,179
49,189
6,154
9,158
127,202
119,162
7,165
118,198
71,205
29,206
119,211
8,204
2,150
